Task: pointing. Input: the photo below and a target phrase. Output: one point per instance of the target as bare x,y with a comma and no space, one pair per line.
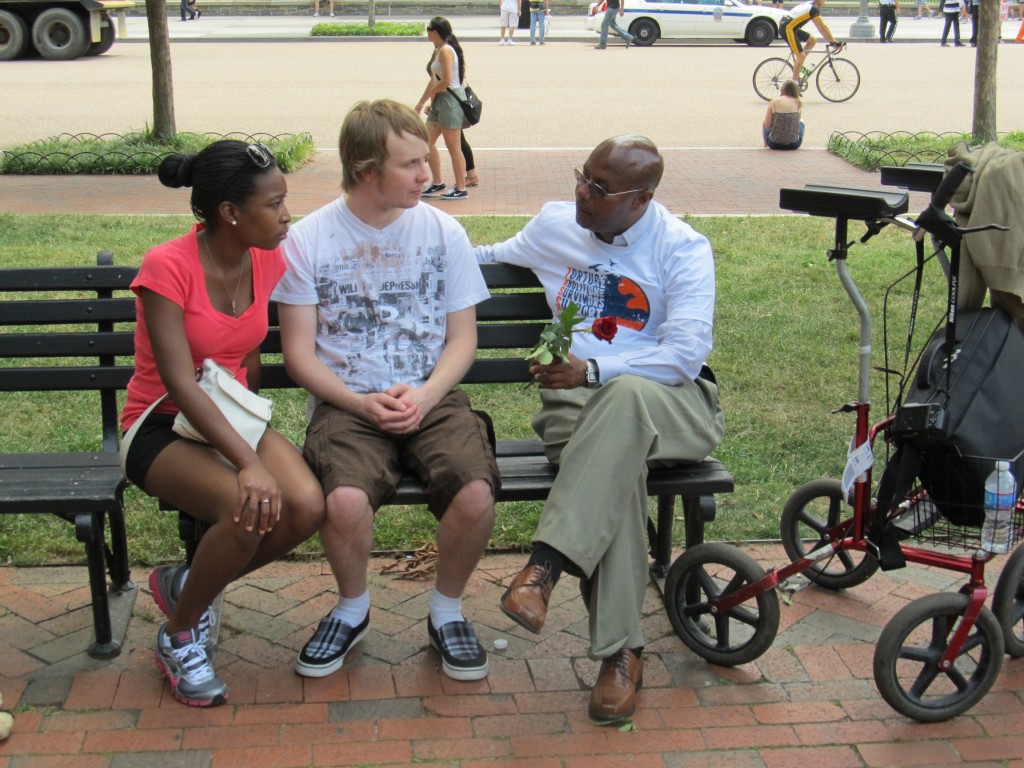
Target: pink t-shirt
174,271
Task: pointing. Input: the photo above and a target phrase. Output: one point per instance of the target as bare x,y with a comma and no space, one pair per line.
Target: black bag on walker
980,417
952,424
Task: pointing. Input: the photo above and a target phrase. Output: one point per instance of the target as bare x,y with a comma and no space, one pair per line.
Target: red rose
605,328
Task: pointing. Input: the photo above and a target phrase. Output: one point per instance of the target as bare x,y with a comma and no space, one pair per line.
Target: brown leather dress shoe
526,599
614,694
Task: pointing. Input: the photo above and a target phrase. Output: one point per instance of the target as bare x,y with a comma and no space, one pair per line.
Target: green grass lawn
786,341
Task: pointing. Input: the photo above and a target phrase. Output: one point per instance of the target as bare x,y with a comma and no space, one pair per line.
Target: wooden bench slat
61,490
96,278
67,312
87,344
64,379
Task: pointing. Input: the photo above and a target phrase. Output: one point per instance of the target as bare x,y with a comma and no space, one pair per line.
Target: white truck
57,29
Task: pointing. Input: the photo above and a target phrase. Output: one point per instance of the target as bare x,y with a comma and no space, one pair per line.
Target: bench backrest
72,328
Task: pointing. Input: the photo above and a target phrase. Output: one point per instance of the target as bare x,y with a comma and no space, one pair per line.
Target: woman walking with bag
205,296
447,69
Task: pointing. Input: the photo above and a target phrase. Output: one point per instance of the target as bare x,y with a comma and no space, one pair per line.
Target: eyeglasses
260,155
598,191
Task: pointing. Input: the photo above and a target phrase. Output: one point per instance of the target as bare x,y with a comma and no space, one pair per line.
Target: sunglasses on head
259,155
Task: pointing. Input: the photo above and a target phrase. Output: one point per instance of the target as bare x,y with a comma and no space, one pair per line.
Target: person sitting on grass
782,127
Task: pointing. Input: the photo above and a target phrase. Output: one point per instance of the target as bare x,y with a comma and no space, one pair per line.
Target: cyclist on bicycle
801,42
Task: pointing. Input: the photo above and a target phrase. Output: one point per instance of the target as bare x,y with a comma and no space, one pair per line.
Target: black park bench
71,329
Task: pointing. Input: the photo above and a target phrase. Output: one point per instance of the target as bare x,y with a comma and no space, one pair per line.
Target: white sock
444,610
352,610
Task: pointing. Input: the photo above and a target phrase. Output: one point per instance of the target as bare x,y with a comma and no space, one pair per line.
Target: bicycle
940,654
837,79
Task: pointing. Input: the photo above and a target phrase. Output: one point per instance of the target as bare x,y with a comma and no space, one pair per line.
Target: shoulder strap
897,480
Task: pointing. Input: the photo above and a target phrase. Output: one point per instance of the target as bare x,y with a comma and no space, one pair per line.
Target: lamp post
862,29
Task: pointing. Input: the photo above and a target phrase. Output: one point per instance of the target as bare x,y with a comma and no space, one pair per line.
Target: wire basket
946,509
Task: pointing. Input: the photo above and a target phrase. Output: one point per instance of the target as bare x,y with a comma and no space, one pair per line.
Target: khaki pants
603,441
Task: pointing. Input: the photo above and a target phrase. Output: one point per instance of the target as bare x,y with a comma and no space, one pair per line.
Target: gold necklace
241,274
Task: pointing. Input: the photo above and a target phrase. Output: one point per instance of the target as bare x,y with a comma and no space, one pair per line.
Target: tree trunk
989,32
371,14
160,61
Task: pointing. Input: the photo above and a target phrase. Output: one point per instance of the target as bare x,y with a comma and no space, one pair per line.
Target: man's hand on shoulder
389,413
561,375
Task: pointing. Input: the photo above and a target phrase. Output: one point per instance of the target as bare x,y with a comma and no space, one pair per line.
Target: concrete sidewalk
482,28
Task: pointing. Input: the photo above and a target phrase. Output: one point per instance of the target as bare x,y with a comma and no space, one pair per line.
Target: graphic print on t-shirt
600,295
385,311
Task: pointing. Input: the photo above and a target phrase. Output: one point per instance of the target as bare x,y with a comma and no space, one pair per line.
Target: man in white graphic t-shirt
609,412
378,322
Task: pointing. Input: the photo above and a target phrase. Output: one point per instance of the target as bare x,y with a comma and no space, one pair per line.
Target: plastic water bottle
1000,499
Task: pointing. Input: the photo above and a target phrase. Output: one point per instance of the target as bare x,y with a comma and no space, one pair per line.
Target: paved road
564,94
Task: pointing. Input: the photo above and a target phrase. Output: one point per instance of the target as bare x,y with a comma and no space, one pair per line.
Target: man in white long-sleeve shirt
611,411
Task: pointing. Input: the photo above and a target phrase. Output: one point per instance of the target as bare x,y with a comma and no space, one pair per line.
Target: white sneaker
501,41
511,42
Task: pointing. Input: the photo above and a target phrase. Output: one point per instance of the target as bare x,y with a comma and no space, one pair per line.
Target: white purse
246,411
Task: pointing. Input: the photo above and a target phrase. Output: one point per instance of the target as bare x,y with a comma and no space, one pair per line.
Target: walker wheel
909,650
697,580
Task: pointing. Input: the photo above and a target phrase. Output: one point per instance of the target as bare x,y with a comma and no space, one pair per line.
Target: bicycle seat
917,177
844,202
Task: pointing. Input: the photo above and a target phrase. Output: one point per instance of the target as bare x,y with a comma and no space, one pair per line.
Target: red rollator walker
940,654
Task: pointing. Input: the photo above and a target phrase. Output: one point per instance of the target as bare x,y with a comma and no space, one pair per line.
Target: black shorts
152,436
795,38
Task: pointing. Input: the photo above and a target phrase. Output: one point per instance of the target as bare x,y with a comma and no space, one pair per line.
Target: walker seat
917,177
844,202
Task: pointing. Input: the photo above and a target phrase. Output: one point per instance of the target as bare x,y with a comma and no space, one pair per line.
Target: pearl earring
234,223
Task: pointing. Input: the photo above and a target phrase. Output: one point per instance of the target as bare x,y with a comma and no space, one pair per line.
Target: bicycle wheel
1008,603
705,573
769,77
910,648
838,80
810,511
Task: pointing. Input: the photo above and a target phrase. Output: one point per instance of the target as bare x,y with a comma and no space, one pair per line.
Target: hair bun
175,170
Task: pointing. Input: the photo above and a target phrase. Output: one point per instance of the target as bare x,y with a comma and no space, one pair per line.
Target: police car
649,20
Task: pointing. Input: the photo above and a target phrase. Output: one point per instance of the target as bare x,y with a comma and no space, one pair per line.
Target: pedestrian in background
922,8
952,10
316,7
440,100
509,21
615,8
538,13
972,8
887,12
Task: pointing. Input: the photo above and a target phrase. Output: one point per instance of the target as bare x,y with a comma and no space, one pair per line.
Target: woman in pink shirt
205,295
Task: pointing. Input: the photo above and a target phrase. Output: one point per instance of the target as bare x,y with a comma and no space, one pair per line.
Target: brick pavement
515,181
810,699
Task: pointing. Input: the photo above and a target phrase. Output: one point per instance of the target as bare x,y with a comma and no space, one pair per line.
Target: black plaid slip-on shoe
462,657
326,650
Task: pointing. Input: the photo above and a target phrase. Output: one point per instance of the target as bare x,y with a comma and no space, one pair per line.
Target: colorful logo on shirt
600,295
